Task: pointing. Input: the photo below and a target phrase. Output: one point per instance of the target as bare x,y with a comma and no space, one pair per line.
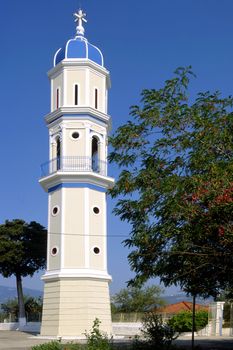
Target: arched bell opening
95,153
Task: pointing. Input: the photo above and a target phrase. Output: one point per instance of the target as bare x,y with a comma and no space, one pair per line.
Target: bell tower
76,281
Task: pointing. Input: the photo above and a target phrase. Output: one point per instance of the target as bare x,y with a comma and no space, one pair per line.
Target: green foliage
136,299
157,333
96,339
182,322
53,345
225,295
22,252
176,186
72,346
228,314
10,307
33,307
22,248
137,344
113,308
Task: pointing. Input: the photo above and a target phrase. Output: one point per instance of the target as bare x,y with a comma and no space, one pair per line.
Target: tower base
72,304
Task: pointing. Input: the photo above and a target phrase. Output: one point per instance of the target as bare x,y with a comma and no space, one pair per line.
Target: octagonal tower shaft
75,177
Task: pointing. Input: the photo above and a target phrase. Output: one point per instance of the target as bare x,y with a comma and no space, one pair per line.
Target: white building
76,280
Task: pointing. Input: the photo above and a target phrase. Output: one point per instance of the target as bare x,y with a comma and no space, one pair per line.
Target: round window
96,250
75,135
96,210
55,210
54,251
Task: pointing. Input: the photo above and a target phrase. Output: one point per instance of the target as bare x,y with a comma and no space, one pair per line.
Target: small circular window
96,210
54,251
75,135
55,210
96,250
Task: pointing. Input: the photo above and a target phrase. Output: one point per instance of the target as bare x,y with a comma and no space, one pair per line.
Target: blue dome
79,48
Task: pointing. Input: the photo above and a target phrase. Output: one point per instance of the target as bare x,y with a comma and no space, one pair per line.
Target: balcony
74,164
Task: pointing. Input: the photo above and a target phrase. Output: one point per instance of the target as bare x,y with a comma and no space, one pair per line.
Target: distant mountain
7,293
176,298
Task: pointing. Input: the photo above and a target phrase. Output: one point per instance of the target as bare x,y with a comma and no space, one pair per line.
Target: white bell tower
76,280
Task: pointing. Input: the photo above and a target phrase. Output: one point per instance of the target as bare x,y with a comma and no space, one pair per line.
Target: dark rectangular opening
58,95
76,94
96,98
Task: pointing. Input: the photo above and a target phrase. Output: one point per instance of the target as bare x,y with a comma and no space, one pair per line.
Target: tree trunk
193,320
22,318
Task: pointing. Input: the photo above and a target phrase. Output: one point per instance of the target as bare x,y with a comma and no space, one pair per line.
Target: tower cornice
76,273
82,62
51,182
77,112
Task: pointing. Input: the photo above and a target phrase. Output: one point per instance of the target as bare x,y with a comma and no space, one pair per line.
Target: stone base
71,305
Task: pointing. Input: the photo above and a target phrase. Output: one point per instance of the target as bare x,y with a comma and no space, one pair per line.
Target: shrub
97,340
182,322
53,345
72,346
158,335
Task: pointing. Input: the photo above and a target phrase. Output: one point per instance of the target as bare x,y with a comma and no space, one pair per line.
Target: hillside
176,298
11,293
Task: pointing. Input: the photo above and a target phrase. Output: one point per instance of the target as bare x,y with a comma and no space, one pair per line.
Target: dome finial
80,18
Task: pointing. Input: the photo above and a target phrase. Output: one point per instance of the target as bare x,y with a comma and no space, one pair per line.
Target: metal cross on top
80,18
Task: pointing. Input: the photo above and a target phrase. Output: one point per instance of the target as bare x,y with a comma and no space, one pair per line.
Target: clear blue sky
142,41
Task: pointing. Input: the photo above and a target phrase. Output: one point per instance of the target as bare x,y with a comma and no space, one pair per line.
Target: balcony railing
74,164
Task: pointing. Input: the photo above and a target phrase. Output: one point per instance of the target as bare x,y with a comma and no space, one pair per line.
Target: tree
10,307
176,186
33,307
137,299
22,253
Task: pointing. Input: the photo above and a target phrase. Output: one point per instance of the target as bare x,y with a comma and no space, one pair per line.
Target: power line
84,235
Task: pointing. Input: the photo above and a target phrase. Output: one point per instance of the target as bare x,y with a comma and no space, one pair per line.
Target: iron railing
74,164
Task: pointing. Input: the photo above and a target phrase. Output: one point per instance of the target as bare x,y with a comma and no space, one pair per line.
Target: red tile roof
181,306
